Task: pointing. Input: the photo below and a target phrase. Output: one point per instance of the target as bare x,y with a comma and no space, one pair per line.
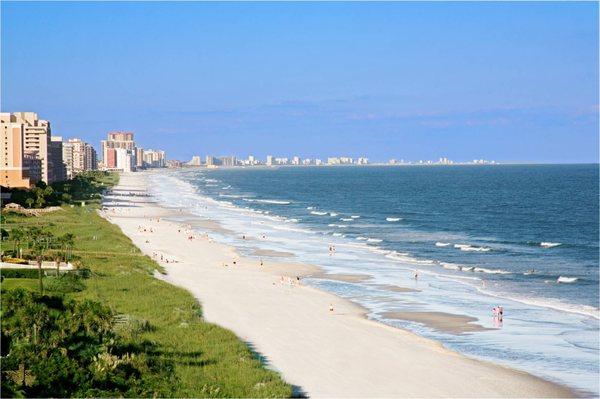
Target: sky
512,81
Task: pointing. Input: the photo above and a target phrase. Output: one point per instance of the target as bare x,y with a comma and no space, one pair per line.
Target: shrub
68,282
73,352
19,273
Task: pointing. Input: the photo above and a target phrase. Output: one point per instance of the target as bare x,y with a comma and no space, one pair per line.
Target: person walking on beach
416,274
331,307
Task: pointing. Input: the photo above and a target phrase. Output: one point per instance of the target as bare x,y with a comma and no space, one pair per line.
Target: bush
73,352
19,273
68,282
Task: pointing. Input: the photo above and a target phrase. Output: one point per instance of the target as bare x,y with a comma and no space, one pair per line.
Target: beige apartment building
78,157
14,162
41,157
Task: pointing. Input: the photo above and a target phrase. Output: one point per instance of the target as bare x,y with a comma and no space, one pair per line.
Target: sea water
522,237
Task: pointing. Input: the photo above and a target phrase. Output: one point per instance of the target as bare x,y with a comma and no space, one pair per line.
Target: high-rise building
296,160
116,140
124,159
228,161
269,160
55,155
37,134
139,157
78,157
210,160
154,159
38,144
13,159
91,157
195,161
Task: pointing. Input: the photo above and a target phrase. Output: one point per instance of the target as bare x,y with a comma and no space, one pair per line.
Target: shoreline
339,353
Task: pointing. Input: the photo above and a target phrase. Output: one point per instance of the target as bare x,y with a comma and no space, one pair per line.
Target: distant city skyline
511,82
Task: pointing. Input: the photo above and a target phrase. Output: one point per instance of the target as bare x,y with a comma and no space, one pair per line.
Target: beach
323,352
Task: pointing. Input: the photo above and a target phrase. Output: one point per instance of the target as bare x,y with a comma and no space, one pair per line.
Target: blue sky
504,81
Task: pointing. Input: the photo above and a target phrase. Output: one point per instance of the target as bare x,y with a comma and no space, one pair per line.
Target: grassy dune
164,320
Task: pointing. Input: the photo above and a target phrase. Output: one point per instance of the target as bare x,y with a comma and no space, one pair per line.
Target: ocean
522,237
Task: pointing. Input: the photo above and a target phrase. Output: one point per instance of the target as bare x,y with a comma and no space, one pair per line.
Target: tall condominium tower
34,134
110,155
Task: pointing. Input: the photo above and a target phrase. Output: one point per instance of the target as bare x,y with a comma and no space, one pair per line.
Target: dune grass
209,361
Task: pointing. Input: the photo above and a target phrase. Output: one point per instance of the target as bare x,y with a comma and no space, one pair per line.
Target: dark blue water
525,237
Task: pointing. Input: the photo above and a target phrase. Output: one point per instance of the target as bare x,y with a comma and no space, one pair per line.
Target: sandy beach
323,352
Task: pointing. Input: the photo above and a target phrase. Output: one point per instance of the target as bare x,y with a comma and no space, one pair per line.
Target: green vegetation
57,348
158,325
87,186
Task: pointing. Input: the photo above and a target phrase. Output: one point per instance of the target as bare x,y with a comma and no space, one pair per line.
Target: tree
53,347
39,242
29,201
17,236
64,245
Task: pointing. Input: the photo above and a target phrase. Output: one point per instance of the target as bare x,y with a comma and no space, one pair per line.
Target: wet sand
446,322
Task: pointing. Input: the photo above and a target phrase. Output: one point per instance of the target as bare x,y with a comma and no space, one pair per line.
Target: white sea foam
346,219
276,202
355,216
549,303
450,266
362,238
550,244
319,213
442,244
490,271
393,219
373,240
310,207
333,214
471,248
566,280
337,234
378,250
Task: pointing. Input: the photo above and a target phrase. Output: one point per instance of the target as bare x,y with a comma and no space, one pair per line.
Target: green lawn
209,361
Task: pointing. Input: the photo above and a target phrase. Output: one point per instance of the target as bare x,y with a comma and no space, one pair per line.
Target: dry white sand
324,353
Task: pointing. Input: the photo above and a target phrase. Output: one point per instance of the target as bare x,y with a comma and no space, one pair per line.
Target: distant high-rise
139,157
111,157
269,160
228,161
154,159
55,155
195,161
78,157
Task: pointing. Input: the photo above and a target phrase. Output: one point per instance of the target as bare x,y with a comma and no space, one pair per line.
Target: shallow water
479,237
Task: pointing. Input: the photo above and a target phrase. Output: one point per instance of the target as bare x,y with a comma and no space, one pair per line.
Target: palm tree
64,244
68,240
17,236
39,242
